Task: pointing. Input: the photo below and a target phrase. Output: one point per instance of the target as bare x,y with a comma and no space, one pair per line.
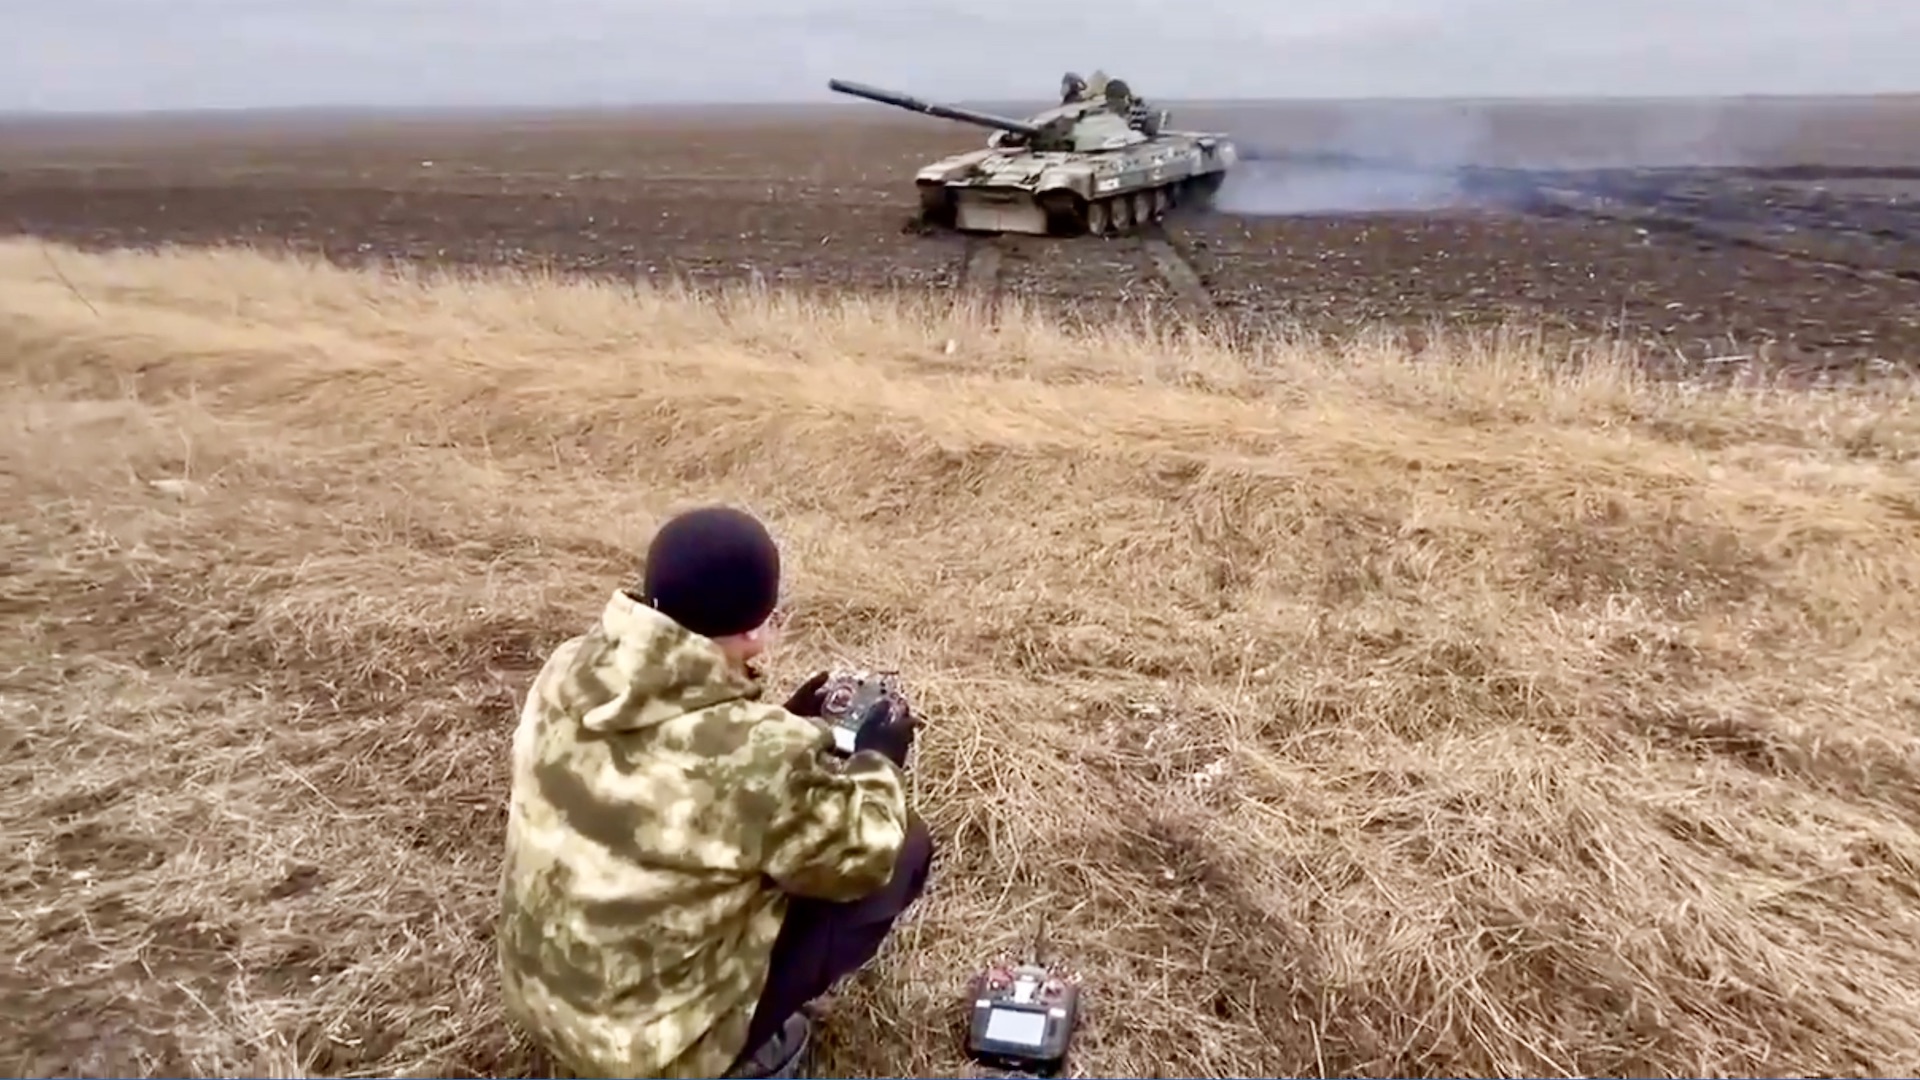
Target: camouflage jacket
660,816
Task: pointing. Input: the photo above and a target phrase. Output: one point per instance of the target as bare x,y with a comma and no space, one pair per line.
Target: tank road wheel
1162,202
1098,221
1143,208
1122,214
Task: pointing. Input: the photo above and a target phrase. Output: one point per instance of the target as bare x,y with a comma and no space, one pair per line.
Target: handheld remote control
1023,1019
847,699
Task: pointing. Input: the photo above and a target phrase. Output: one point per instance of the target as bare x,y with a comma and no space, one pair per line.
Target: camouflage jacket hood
660,815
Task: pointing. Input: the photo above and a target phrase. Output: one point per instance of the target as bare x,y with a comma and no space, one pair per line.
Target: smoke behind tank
1307,185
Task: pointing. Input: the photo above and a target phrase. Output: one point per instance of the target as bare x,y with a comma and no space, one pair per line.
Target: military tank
1101,163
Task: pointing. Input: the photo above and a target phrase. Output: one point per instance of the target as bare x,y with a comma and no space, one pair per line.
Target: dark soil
1814,266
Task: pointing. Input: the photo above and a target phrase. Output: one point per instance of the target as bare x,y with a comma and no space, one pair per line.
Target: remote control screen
1026,1028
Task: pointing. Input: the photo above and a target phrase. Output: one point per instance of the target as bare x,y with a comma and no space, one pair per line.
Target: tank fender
957,167
1077,181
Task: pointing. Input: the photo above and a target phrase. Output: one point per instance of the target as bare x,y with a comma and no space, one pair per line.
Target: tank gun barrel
945,112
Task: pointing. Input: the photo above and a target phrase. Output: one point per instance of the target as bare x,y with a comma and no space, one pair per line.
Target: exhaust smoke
1416,157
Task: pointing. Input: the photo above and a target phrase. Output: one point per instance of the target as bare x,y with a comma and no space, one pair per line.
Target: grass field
1352,713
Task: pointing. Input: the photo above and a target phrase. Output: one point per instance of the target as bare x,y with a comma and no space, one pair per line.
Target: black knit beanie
715,571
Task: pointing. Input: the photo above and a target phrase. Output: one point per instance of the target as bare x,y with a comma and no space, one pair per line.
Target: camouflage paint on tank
1098,158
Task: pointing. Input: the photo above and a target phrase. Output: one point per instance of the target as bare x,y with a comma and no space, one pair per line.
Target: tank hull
1107,192
999,210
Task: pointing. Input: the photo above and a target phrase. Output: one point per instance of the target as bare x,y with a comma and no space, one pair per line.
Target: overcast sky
165,54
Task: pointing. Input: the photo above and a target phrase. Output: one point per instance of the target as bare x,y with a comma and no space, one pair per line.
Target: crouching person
686,866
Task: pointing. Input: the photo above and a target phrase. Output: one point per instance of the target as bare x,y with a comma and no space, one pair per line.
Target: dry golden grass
1352,714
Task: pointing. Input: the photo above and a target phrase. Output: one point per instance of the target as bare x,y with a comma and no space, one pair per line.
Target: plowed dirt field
1781,231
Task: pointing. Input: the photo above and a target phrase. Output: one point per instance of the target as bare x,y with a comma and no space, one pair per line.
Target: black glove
887,728
807,700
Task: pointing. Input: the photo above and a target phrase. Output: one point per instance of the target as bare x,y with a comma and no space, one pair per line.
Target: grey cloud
118,54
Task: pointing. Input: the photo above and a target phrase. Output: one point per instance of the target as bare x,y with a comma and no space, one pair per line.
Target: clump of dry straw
1352,714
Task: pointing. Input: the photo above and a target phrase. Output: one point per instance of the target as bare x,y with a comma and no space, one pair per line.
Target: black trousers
821,941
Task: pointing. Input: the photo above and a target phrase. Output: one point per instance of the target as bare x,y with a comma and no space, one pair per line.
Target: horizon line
775,103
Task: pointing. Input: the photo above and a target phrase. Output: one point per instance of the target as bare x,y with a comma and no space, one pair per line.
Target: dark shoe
778,1057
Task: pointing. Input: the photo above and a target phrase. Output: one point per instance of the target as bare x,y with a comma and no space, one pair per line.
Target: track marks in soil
1173,267
980,269
1652,216
983,258
1696,203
